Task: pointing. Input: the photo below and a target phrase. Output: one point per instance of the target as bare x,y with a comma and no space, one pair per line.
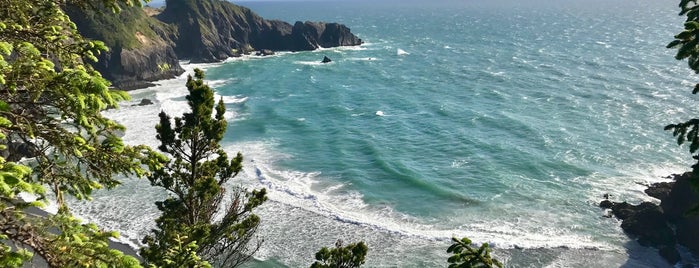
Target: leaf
691,25
674,44
4,122
4,107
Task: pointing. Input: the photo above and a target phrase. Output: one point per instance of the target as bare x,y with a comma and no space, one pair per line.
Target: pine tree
350,256
466,256
196,178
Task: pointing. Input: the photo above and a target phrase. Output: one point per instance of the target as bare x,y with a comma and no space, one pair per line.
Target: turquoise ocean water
503,121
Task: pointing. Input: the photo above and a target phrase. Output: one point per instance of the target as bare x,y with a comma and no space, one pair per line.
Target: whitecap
401,52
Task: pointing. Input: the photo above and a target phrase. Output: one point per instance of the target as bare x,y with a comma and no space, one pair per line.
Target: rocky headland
147,44
665,226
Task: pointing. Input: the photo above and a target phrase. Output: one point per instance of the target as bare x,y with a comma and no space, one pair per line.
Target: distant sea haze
503,121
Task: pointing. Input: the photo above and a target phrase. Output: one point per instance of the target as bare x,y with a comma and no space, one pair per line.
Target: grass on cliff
120,30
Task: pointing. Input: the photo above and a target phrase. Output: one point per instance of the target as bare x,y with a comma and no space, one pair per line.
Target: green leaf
4,107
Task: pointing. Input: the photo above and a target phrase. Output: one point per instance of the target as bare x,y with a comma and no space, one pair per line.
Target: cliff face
212,30
138,49
145,48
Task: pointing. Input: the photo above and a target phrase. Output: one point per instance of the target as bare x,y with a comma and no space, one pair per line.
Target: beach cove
507,135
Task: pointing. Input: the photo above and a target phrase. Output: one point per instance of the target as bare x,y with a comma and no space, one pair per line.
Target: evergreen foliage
50,102
466,256
687,45
196,178
350,256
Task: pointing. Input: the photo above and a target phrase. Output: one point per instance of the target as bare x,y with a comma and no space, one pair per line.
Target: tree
196,177
467,256
50,103
687,44
350,256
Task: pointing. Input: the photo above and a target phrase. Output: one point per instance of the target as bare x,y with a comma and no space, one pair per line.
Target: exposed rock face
136,68
652,224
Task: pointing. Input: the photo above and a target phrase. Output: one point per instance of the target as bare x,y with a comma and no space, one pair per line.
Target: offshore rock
145,102
326,59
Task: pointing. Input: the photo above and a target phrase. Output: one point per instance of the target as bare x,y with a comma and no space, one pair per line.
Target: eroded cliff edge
147,44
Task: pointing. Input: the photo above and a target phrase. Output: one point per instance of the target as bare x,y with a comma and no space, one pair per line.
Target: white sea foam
312,63
401,52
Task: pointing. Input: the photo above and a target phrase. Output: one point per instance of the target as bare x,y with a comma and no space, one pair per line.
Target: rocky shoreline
666,226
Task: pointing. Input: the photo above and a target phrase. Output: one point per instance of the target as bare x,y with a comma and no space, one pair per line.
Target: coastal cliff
211,30
147,44
138,53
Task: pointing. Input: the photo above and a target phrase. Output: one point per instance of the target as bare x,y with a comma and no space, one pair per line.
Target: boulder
326,59
264,52
606,204
659,190
16,150
145,102
647,222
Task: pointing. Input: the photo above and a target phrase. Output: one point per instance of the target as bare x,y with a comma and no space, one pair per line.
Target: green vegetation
467,256
196,178
50,102
130,28
350,256
687,44
164,67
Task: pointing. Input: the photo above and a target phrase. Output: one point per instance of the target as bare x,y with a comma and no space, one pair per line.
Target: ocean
502,121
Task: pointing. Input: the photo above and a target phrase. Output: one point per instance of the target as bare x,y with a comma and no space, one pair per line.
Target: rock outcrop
663,226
